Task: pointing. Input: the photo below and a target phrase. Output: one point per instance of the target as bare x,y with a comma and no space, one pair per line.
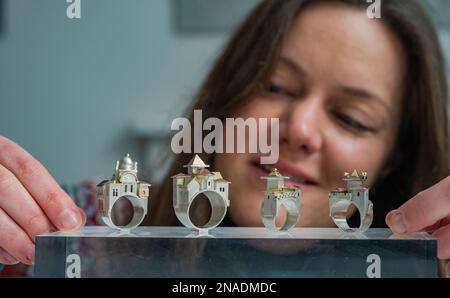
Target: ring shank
218,211
339,212
139,212
292,215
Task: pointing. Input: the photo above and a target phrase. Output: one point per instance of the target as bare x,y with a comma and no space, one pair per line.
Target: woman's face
337,90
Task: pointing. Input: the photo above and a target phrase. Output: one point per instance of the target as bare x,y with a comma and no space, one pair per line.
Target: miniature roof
274,174
205,172
340,190
217,175
355,175
126,163
102,183
283,190
222,180
196,162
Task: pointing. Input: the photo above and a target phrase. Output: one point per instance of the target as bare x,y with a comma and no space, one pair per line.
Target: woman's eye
352,123
274,88
277,89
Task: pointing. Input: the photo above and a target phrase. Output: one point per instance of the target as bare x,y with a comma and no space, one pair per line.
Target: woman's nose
301,127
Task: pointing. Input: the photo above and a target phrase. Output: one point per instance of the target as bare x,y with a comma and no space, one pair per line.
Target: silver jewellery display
124,184
275,195
355,194
199,180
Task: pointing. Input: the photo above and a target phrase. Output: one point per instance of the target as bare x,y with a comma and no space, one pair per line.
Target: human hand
31,203
428,211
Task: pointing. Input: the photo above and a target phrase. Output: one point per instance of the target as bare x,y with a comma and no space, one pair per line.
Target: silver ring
139,212
276,195
355,194
124,184
198,181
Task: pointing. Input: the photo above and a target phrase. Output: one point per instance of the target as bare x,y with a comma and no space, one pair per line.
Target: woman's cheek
362,154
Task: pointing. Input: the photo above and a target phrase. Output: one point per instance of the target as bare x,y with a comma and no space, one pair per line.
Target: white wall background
72,91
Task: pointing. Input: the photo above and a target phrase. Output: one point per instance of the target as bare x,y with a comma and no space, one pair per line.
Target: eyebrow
350,90
363,93
292,65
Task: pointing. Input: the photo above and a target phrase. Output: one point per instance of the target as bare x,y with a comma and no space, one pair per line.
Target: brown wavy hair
248,60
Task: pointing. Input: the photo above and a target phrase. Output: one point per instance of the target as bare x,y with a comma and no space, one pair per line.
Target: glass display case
234,252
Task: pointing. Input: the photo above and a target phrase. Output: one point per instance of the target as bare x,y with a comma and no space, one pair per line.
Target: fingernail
69,219
29,251
83,216
9,258
388,216
397,223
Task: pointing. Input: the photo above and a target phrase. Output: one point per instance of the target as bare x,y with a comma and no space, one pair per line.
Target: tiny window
126,188
131,188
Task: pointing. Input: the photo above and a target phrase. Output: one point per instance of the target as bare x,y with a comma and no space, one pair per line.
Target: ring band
124,184
139,212
218,210
341,199
276,195
198,181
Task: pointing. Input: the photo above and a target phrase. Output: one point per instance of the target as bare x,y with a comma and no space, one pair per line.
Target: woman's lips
295,173
302,181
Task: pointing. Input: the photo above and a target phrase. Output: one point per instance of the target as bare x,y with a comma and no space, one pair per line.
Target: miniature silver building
199,180
124,184
355,194
275,195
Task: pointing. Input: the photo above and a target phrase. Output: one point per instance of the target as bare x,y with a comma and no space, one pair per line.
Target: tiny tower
196,165
275,180
354,180
126,168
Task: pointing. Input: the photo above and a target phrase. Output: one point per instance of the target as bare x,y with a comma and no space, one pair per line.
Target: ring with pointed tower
355,194
124,184
275,195
199,180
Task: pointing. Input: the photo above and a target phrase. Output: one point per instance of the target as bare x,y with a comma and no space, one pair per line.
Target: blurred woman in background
351,92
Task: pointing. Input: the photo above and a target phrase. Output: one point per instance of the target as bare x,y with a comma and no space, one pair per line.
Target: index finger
56,204
423,210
